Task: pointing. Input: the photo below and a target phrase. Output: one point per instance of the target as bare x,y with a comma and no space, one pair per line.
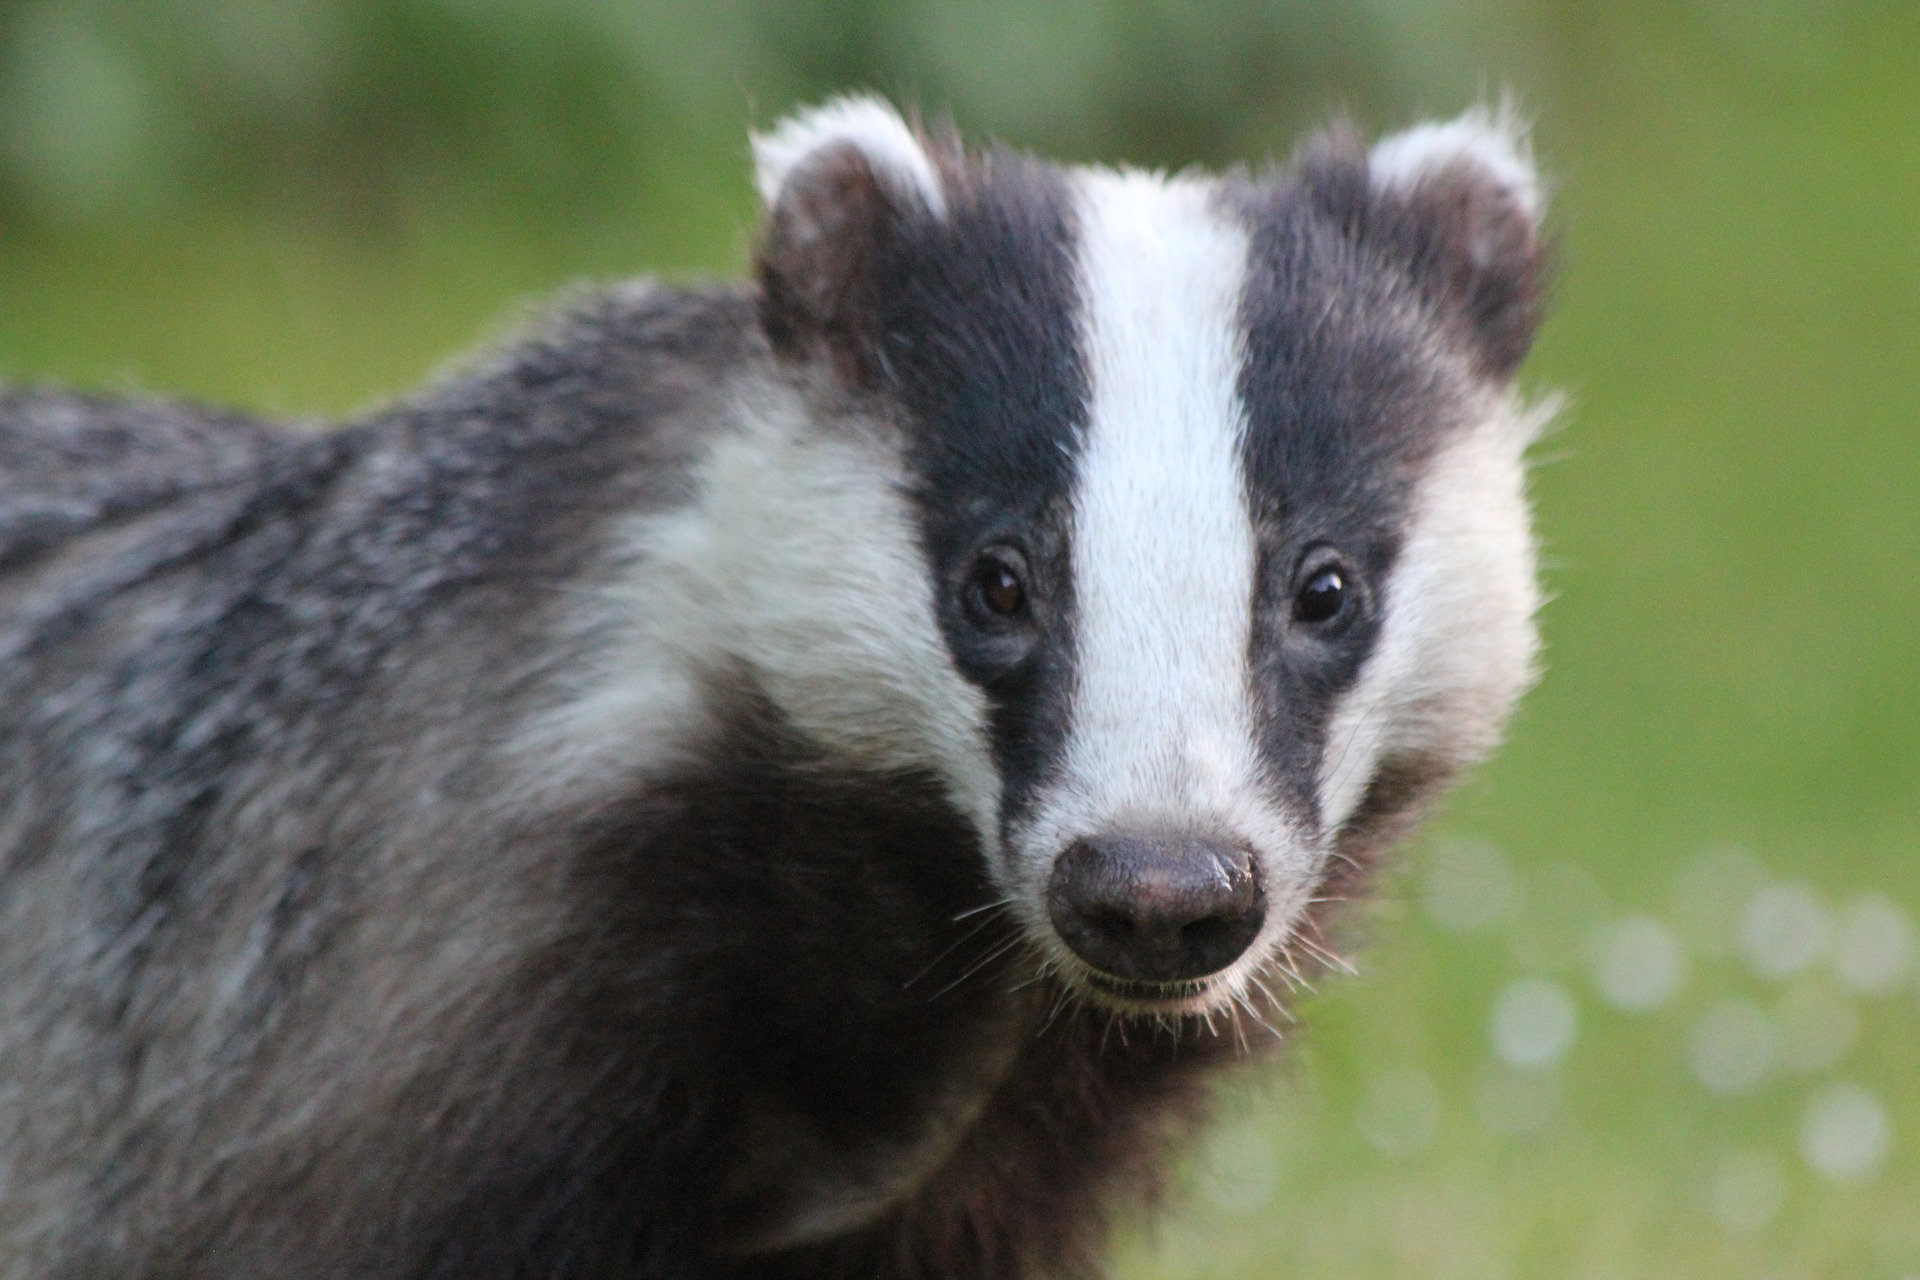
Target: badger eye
1321,597
996,591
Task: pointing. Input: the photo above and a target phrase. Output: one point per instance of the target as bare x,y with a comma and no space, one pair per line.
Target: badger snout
1156,909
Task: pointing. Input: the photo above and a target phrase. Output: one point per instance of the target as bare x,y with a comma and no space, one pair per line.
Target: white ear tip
861,121
1492,140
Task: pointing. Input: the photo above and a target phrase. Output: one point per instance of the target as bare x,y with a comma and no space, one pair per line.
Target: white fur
1493,141
1162,728
864,122
1458,645
799,564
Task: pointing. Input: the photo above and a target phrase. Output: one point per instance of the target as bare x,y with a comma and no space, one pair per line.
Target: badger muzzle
1156,910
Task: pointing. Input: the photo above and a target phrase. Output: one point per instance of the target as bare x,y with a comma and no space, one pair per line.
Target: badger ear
1463,204
843,184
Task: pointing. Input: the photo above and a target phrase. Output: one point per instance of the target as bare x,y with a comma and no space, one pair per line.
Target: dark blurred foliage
352,109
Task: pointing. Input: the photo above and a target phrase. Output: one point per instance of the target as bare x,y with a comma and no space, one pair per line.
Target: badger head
1177,522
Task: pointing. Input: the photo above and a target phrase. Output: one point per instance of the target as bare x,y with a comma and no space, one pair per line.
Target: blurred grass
302,207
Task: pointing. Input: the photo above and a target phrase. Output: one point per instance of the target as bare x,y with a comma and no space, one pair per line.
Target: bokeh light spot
1784,929
1873,944
1638,963
1845,1135
1238,1169
1533,1022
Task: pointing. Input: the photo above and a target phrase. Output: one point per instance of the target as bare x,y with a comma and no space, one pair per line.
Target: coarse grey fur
256,686
435,845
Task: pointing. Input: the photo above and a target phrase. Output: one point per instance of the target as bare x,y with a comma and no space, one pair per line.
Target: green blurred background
1643,1003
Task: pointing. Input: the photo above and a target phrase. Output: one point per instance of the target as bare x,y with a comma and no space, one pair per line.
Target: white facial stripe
1459,643
800,562
1161,732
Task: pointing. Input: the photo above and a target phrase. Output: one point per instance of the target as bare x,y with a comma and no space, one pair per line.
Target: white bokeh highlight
1784,929
1637,964
1239,1169
1873,944
1845,1134
1533,1023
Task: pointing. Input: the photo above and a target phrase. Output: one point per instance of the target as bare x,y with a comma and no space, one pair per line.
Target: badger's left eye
997,589
1322,597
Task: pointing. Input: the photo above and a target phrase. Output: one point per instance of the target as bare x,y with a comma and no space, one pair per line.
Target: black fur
967,323
1357,304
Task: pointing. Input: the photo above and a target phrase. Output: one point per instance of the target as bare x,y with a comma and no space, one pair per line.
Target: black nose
1155,910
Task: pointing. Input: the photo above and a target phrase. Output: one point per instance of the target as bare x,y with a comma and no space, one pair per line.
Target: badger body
806,779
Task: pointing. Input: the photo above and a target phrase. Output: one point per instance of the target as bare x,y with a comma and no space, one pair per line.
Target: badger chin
1202,999
1190,997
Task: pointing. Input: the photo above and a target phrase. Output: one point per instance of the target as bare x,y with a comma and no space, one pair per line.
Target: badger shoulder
602,395
71,462
632,354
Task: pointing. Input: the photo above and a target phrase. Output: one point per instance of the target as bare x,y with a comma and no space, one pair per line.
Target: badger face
1213,490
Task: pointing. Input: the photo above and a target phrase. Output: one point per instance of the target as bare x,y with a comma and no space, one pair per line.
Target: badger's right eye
1326,591
996,589
1321,597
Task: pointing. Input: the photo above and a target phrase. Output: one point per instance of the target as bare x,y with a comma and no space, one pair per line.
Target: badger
805,779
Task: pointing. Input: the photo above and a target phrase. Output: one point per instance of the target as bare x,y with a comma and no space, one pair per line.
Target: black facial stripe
980,345
1345,403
